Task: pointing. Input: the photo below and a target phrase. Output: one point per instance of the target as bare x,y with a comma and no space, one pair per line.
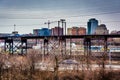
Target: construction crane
60,21
48,23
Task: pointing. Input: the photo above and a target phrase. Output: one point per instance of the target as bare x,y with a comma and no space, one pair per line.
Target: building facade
57,31
45,32
115,32
42,32
76,31
101,29
36,32
92,25
69,31
81,31
118,32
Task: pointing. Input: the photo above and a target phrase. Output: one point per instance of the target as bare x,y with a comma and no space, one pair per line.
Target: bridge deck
64,36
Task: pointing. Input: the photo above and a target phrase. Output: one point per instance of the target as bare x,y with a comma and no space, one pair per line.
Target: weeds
23,68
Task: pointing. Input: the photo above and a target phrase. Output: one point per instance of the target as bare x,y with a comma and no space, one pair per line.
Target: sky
32,14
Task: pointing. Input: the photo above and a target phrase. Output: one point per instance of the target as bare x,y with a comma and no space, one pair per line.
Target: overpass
9,41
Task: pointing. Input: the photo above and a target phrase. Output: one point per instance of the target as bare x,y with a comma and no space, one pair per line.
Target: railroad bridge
12,43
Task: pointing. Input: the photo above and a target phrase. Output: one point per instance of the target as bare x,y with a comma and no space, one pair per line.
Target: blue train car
96,48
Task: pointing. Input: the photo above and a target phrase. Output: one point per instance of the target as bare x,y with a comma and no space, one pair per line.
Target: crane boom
48,23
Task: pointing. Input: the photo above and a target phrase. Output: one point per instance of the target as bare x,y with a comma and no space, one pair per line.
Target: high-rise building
45,32
42,32
57,31
92,25
76,31
118,32
69,31
115,32
36,32
81,31
101,29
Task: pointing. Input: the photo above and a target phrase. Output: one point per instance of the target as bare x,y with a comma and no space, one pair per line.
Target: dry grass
23,68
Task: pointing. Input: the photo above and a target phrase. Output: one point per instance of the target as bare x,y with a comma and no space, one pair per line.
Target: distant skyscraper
42,32
45,32
81,31
76,31
57,31
92,25
69,31
114,32
102,29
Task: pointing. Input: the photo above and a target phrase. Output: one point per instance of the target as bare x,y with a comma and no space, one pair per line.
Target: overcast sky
31,14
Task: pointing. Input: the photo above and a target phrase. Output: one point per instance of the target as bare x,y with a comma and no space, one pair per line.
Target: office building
118,32
42,32
113,32
101,29
92,25
36,32
57,31
69,31
76,31
45,32
81,31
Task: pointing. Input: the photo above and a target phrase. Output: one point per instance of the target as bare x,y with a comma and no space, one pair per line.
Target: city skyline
28,14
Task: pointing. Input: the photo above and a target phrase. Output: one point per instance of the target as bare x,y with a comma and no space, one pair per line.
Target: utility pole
14,27
48,23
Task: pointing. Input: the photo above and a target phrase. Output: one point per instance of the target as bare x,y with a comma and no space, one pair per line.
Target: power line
82,15
27,25
85,21
96,14
63,8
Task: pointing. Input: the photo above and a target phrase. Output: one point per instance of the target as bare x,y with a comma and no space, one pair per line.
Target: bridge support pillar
23,46
9,46
105,53
87,46
87,51
46,45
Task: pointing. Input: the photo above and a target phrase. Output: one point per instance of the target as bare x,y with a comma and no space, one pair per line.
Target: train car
96,48
115,49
